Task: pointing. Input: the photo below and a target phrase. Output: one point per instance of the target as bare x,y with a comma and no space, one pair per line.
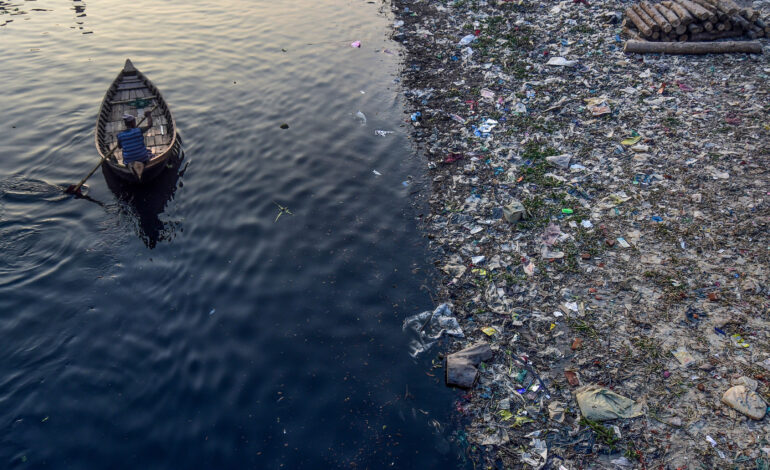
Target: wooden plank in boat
146,96
130,86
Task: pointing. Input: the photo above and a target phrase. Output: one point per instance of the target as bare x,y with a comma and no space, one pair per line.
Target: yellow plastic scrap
480,271
505,415
631,140
739,341
489,331
617,199
596,101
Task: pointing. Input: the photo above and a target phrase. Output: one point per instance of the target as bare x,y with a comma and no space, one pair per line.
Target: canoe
133,93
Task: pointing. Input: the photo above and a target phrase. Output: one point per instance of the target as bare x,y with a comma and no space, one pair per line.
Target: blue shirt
132,143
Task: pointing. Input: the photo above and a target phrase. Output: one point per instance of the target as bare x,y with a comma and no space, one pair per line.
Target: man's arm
148,115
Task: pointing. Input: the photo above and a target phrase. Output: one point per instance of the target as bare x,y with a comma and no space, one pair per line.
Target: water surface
183,326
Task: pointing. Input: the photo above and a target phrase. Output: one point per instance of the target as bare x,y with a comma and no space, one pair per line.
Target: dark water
183,326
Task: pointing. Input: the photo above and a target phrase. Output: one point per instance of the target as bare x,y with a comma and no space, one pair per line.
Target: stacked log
693,20
710,47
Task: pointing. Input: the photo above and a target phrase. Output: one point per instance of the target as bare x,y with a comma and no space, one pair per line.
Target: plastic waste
361,117
669,200
488,125
599,404
466,40
560,161
514,211
561,62
714,444
427,327
487,94
600,109
556,411
631,140
461,367
519,108
745,400
537,454
683,356
489,331
622,462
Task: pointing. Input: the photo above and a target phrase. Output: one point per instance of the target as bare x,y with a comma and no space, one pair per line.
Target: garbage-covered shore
600,221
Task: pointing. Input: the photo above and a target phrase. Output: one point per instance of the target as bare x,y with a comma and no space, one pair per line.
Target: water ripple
182,325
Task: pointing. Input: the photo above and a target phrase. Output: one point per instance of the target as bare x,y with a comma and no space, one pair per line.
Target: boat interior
131,93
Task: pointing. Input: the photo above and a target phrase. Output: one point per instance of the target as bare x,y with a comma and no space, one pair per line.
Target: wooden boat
132,93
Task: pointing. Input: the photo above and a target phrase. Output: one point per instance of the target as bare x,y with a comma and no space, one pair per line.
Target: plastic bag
428,327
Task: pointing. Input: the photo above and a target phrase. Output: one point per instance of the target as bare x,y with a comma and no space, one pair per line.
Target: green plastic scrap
281,210
522,420
140,103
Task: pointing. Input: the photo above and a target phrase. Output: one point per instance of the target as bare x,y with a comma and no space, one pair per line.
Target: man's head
129,120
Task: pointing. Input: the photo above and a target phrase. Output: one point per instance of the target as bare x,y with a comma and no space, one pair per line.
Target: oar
75,188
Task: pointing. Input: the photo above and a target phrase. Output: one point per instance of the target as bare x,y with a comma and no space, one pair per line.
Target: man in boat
131,140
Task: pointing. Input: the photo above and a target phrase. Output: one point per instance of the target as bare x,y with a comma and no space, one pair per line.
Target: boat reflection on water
145,203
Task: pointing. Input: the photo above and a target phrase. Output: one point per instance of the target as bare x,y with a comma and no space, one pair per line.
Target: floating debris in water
281,210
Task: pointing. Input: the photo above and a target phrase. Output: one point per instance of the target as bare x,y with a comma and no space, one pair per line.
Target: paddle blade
75,190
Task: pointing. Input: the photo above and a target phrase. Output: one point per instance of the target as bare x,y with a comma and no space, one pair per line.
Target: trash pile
693,20
600,222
